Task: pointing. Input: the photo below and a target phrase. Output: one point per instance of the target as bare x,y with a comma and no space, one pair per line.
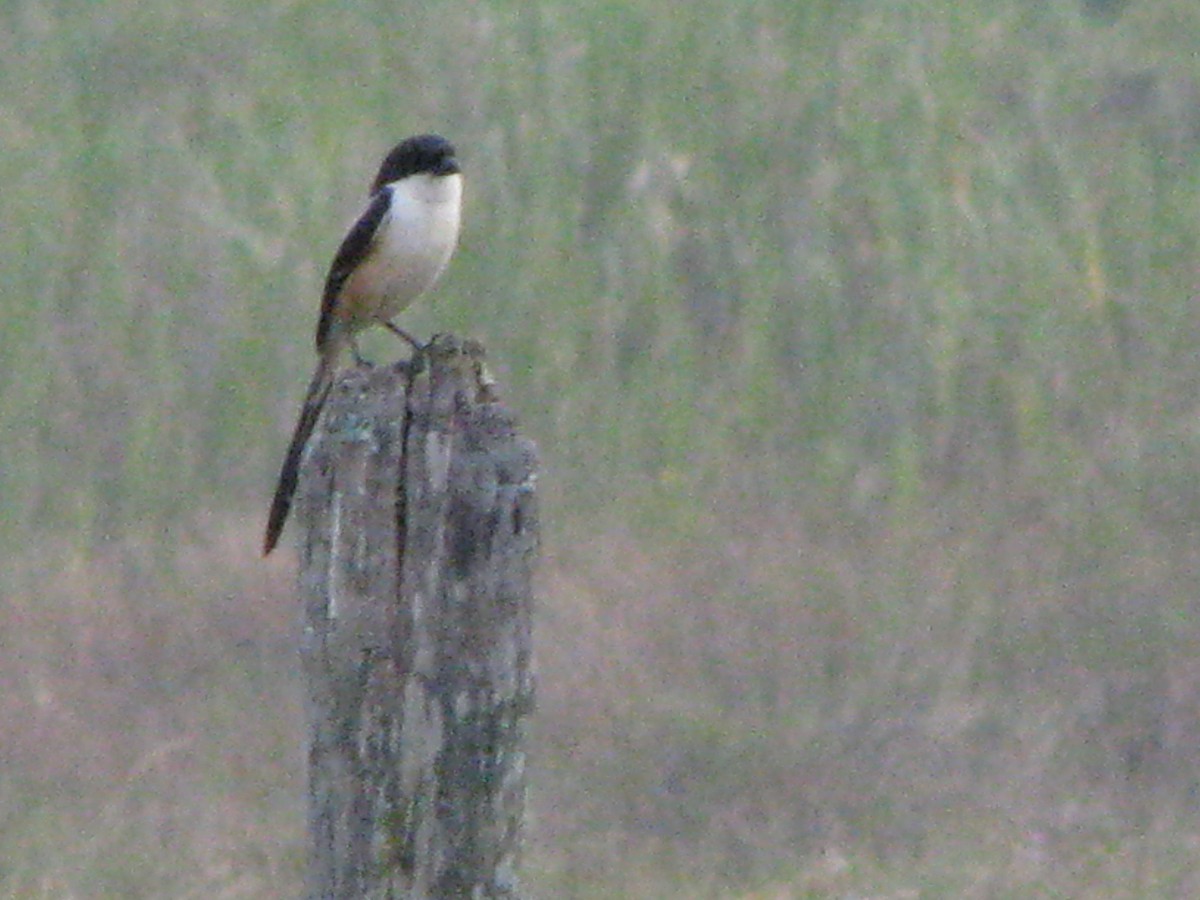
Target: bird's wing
354,249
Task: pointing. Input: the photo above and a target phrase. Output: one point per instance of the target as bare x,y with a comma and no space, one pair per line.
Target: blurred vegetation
860,340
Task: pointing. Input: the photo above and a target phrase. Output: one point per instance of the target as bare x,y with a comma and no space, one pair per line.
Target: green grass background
860,341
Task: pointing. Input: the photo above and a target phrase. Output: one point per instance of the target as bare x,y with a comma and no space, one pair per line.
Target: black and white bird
391,255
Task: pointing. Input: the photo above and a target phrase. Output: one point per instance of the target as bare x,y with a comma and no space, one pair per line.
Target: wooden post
420,526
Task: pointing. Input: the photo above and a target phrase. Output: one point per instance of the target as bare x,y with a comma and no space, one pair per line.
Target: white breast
412,246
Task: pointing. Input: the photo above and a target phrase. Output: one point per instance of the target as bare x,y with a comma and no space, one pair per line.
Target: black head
428,154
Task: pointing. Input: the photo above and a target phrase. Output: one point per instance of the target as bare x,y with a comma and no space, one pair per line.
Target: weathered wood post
419,526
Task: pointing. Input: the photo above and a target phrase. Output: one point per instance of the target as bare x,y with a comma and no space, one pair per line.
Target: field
860,341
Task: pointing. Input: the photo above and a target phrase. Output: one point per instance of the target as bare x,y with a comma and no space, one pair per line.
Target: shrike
392,254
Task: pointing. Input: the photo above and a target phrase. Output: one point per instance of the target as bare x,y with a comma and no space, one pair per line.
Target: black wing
354,249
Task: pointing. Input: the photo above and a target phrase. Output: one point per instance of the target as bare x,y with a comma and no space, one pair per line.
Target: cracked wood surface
418,534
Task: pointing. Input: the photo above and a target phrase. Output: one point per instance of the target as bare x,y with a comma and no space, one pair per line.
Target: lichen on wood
419,521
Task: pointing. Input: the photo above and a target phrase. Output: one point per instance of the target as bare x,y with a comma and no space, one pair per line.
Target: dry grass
755,702
152,724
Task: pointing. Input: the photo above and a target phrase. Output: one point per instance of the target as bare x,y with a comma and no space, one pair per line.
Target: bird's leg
400,332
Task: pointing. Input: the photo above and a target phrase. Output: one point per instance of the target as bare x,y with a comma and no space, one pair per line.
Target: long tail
314,402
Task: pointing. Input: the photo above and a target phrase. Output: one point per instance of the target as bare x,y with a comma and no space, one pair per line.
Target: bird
395,251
